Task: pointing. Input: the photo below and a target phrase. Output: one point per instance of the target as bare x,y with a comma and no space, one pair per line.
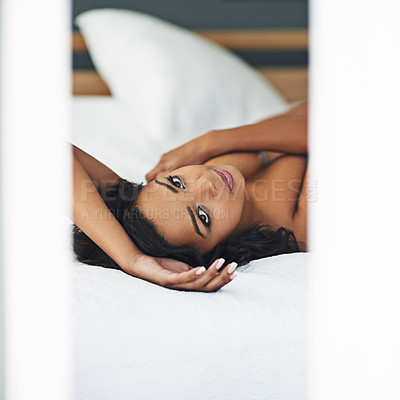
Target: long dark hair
258,242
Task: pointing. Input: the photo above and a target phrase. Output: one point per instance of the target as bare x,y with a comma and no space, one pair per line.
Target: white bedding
103,128
136,340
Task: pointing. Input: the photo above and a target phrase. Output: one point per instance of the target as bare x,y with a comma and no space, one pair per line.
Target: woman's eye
203,216
176,181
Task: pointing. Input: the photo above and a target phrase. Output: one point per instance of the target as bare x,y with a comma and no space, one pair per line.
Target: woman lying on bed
229,196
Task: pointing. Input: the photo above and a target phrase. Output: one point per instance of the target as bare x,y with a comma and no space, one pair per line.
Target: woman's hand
178,275
193,152
284,133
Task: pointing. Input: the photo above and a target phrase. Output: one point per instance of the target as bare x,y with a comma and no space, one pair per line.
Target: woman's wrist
282,135
215,143
204,146
228,140
130,263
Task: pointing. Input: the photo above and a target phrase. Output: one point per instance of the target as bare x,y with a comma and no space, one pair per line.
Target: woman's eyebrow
196,227
171,188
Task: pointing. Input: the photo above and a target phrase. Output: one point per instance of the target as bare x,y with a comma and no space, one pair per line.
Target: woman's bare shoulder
278,189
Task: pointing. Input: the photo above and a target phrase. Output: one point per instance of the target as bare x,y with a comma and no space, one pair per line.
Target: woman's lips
226,177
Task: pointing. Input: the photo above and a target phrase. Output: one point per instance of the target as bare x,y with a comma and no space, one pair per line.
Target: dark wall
218,15
213,14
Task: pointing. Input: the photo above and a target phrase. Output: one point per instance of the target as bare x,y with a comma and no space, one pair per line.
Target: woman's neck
251,214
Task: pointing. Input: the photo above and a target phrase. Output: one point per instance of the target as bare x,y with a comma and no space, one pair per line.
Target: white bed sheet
136,340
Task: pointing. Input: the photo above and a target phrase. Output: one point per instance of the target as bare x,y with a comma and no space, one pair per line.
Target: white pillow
172,81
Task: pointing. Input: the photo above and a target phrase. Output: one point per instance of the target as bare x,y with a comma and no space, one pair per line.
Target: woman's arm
94,218
285,133
100,174
91,214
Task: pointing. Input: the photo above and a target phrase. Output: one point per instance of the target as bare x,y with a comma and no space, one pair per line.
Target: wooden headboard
290,82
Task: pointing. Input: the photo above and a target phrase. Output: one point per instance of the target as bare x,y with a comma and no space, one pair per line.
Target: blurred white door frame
35,83
354,128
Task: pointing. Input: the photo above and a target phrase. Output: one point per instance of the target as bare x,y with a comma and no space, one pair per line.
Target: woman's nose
207,187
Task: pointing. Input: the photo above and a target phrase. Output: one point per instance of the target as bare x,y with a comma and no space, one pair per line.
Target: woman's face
197,205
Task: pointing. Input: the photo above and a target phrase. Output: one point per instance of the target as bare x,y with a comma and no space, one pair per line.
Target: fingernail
200,270
220,263
232,267
234,275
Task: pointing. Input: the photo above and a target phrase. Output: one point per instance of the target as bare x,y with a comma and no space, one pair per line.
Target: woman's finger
162,165
203,279
210,274
157,171
151,175
200,277
181,278
225,282
222,279
215,283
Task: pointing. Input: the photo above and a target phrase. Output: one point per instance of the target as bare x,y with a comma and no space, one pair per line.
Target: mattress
137,340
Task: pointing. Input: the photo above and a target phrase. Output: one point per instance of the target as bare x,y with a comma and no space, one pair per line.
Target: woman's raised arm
285,133
99,174
94,218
